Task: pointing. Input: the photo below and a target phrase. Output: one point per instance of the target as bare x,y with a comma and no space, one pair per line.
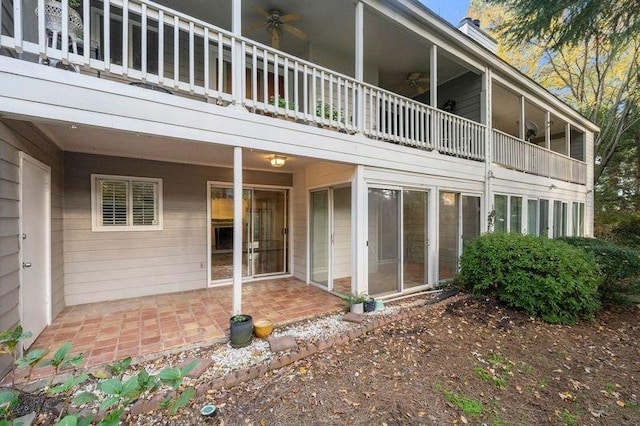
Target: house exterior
369,145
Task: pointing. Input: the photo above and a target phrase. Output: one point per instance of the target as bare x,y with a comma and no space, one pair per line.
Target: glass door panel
414,230
449,235
470,219
222,232
384,239
319,237
268,244
341,265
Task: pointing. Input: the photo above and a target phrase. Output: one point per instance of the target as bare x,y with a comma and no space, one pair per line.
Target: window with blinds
126,203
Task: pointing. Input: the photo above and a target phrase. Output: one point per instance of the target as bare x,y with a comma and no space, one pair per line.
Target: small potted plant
241,330
355,302
369,304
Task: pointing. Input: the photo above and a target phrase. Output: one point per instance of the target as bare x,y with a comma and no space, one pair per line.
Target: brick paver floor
108,331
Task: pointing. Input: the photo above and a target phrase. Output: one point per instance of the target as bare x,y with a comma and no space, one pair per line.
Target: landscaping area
544,332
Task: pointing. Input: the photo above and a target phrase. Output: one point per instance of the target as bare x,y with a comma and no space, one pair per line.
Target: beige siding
115,265
16,136
299,202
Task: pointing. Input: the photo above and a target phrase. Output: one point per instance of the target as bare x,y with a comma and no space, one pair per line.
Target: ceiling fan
277,22
532,130
416,81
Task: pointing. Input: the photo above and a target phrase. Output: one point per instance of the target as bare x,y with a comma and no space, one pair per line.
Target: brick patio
113,330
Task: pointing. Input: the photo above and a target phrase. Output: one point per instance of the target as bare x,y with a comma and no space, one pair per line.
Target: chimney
471,27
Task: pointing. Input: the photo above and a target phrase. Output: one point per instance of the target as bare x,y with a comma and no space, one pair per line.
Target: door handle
26,264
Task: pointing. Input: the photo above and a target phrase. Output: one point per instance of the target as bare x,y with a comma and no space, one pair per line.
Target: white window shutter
144,203
113,195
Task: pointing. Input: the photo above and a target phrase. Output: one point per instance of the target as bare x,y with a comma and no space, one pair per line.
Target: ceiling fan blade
275,39
424,80
255,27
295,31
261,11
289,18
420,89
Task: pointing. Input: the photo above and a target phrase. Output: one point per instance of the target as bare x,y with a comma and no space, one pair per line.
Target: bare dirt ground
468,362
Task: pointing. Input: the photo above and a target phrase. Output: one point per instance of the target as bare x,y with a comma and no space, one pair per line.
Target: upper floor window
123,203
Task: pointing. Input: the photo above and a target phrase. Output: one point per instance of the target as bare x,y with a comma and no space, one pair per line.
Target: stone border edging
244,375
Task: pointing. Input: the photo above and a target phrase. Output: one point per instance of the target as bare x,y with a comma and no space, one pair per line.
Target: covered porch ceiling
328,39
92,140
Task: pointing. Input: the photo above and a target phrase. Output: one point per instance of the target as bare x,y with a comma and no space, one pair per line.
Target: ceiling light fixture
277,160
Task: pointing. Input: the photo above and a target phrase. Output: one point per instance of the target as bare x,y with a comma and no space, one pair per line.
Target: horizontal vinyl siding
299,224
116,265
16,136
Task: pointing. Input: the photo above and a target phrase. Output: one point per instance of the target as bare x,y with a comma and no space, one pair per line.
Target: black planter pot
369,305
241,330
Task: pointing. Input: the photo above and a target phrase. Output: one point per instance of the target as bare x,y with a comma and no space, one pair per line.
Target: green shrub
619,266
546,278
627,232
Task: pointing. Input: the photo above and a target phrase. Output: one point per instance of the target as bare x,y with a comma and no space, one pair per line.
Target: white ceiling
109,142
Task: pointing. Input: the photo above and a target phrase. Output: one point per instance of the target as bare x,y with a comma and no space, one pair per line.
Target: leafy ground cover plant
546,278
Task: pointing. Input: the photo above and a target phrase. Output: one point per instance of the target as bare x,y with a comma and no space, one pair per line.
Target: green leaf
111,386
70,383
61,354
183,400
112,418
74,361
171,377
8,401
84,398
68,420
32,358
187,368
85,421
130,387
108,402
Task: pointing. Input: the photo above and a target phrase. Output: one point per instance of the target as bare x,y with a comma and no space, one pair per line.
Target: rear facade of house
369,140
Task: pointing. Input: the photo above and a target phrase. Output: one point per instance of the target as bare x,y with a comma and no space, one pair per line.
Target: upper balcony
366,73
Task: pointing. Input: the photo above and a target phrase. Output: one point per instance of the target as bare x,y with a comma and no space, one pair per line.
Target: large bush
546,278
619,266
619,228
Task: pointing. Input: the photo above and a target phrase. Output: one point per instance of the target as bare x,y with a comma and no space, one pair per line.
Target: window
559,219
532,217
578,219
543,223
515,207
500,218
122,203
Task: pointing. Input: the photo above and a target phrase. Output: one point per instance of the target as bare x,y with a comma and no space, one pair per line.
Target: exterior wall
115,265
321,174
465,91
16,136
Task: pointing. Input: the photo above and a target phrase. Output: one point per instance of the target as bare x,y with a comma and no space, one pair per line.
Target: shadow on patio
108,331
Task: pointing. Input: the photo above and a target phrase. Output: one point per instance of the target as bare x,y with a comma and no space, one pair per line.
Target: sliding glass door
384,240
330,238
415,231
264,232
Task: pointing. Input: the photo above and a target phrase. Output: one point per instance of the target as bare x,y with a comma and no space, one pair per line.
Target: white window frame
96,204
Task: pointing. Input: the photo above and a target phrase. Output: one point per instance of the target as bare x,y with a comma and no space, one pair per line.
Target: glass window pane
557,219
414,224
320,237
532,217
470,219
449,235
383,226
341,275
500,219
144,203
114,202
516,215
543,223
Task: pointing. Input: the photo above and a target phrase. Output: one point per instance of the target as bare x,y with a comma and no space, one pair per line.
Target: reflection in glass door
415,243
449,235
264,218
330,238
470,219
384,239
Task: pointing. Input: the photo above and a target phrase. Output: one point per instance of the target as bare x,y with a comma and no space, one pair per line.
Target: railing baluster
143,42
254,75
220,73
265,79
276,85
206,62
305,92
339,87
176,51
285,71
161,47
125,36
296,94
192,54
42,31
106,31
86,31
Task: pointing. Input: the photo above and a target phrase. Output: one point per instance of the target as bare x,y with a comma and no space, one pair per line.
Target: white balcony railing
141,41
517,154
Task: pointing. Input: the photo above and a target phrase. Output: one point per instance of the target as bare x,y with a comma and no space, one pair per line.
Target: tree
562,23
594,72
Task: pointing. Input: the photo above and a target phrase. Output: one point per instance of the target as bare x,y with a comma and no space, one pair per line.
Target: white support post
359,246
237,60
433,75
567,139
547,131
359,71
488,120
17,25
237,230
522,131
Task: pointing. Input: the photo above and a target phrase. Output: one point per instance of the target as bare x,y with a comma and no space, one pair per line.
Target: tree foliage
579,51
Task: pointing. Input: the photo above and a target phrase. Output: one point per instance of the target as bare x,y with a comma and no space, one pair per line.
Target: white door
35,243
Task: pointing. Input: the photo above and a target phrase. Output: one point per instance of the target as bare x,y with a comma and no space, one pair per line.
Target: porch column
359,246
487,119
567,140
359,71
433,76
237,230
547,131
236,54
521,128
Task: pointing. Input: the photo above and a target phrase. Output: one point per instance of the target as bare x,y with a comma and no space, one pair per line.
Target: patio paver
108,331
